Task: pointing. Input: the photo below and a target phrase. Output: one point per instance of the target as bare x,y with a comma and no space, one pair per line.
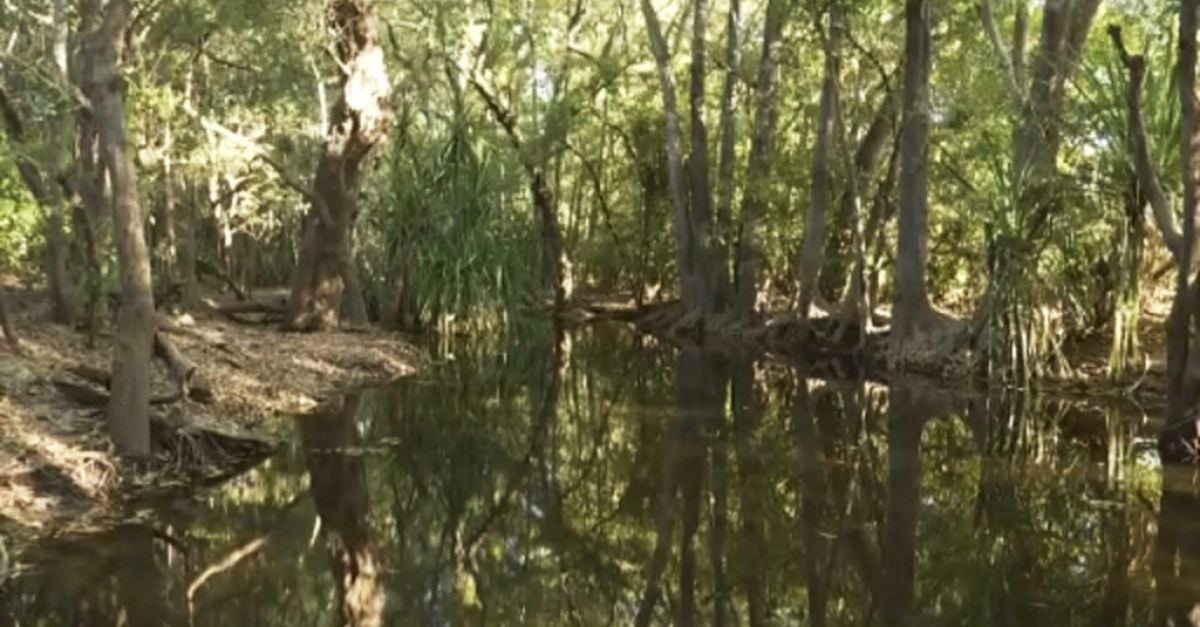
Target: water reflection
598,478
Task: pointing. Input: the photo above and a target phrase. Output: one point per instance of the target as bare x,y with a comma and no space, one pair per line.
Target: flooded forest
599,312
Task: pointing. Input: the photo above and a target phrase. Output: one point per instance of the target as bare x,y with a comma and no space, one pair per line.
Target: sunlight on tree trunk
360,120
129,405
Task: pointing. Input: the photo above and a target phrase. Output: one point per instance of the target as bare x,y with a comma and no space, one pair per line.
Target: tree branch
987,17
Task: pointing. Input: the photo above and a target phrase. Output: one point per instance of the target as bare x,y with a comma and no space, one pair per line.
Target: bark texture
129,405
359,121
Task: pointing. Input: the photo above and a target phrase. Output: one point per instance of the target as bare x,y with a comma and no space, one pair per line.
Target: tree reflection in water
596,478
334,455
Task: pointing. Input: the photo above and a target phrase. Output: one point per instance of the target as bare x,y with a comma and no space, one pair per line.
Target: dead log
191,383
234,311
207,267
91,374
89,396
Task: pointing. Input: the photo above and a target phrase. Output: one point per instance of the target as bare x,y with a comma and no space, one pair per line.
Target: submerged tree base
942,350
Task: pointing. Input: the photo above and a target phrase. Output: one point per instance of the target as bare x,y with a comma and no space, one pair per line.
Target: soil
58,472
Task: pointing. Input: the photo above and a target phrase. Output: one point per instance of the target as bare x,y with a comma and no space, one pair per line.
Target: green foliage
20,218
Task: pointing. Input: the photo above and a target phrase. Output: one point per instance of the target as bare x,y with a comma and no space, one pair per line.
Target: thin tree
819,192
727,155
695,292
758,172
359,121
911,308
129,405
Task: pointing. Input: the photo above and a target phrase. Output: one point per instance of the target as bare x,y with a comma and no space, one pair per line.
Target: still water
606,480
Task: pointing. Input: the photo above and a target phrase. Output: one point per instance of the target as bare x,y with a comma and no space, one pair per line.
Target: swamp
599,312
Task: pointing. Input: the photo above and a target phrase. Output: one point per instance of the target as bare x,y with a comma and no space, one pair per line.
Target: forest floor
58,472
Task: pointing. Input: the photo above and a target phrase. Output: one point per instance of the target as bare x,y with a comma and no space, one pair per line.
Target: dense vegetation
426,163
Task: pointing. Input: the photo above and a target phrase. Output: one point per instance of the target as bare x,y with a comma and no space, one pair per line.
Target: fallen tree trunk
89,396
234,311
191,383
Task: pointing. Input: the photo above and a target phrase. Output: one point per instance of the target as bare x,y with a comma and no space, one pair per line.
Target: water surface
606,480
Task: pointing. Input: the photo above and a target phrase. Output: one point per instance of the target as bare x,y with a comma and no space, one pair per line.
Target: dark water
604,480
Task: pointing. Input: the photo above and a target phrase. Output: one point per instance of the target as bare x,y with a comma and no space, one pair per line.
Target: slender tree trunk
1180,396
684,238
164,222
360,120
819,192
187,223
6,324
703,243
911,308
44,191
129,405
758,173
554,263
866,160
727,156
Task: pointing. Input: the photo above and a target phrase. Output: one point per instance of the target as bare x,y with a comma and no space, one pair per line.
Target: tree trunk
762,147
41,187
703,243
129,405
187,223
554,264
685,257
6,325
867,158
164,221
727,155
911,306
1180,395
818,203
359,121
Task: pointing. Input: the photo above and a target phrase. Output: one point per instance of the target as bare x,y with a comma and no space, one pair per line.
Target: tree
129,404
819,192
911,309
766,113
359,121
691,223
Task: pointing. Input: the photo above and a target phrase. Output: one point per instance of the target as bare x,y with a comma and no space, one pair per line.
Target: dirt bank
57,470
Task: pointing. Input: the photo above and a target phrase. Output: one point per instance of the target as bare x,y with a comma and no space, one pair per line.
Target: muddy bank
58,474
